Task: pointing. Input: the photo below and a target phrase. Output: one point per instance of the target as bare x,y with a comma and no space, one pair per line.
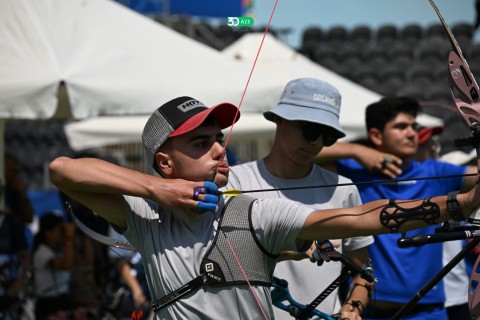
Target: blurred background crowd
101,282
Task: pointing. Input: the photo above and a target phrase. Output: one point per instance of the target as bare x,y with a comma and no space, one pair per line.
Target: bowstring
237,260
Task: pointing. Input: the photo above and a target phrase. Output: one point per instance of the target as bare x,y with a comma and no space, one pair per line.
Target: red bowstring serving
225,148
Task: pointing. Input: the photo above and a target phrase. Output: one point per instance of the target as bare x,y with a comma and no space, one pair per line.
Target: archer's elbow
57,169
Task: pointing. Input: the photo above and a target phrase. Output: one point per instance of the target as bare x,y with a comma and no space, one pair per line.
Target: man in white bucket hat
307,119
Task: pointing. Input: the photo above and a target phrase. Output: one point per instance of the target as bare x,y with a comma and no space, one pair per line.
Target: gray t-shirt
172,248
306,280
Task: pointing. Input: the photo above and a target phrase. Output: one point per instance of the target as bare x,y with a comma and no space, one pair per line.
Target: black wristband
452,205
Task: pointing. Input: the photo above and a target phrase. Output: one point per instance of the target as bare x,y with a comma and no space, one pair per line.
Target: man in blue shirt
401,272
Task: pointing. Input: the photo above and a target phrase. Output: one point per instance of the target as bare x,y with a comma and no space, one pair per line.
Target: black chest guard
220,266
235,227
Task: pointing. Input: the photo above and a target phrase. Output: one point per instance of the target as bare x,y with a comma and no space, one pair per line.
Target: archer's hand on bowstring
187,197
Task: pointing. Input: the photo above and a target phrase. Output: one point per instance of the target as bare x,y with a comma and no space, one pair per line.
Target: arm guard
393,216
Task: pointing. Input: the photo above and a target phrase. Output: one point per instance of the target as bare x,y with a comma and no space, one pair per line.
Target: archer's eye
202,143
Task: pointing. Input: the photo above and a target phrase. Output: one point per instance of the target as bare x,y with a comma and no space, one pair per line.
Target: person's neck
284,168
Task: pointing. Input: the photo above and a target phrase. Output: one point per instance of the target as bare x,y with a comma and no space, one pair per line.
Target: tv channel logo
240,22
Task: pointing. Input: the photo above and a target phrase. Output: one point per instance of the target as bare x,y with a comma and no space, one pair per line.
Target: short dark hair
379,113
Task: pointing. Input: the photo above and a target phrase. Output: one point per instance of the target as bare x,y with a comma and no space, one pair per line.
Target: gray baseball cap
179,116
312,100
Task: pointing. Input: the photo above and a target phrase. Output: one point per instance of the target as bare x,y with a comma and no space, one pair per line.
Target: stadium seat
376,57
326,56
436,36
420,75
412,90
386,36
312,34
360,37
351,57
463,33
336,36
432,57
402,56
367,77
411,35
439,93
308,48
35,143
472,54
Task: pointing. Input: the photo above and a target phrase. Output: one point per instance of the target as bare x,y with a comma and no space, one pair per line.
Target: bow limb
465,93
108,241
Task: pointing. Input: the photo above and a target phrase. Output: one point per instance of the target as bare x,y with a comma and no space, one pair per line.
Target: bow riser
465,91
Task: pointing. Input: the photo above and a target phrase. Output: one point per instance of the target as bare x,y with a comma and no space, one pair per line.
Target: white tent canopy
112,61
280,64
284,64
277,64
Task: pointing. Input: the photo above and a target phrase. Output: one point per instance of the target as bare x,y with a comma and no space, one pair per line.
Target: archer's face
198,156
399,136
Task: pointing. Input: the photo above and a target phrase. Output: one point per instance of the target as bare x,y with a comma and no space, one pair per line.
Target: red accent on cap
425,133
226,113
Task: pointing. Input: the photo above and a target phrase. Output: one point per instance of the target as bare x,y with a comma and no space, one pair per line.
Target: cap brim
323,117
225,113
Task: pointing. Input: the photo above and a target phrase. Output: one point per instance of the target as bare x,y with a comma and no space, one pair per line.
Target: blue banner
202,8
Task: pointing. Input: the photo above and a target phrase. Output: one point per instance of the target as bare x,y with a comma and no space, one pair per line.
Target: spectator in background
94,222
127,288
16,199
52,263
84,292
428,144
401,272
304,127
15,262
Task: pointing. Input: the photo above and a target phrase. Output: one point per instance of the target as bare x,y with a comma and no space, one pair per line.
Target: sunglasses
312,132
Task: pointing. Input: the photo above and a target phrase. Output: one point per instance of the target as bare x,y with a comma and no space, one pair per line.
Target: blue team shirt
401,272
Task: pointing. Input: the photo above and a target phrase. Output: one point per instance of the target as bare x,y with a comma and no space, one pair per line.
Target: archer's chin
220,180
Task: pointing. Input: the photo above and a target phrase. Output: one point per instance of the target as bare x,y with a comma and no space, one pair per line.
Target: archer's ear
164,164
375,136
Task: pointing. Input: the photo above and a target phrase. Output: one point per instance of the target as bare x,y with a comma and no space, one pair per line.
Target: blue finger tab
212,187
210,198
203,206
